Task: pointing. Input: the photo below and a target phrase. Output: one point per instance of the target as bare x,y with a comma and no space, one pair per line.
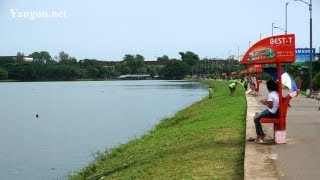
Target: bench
279,132
276,121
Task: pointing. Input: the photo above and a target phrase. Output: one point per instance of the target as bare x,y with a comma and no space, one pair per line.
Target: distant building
135,76
147,63
25,58
29,59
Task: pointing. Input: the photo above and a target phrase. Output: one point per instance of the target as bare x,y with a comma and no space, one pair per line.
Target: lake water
77,119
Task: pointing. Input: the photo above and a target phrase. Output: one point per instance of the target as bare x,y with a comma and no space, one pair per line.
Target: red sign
271,50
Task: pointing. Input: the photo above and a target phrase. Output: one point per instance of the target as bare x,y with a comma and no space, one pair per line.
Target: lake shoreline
202,140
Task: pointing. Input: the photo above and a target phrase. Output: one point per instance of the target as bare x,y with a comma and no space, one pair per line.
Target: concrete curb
259,162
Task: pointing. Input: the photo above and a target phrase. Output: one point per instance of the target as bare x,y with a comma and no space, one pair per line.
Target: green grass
205,140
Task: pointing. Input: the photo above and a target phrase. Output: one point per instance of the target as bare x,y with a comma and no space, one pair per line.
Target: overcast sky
109,29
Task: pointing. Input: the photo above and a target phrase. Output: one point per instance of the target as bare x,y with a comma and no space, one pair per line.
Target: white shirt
254,81
274,97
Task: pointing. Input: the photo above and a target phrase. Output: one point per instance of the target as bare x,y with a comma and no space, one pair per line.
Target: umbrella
285,78
234,73
244,71
256,68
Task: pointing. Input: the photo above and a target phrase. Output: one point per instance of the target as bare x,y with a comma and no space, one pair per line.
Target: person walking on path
253,85
245,83
271,111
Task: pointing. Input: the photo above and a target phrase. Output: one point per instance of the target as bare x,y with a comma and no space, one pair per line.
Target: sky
110,29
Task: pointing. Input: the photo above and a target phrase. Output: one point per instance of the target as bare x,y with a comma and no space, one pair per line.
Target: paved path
299,158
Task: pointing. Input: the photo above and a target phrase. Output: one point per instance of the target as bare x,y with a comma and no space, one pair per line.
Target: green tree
63,56
189,58
36,56
316,81
125,69
86,63
19,56
66,59
174,69
41,57
104,72
3,74
93,72
4,61
135,63
163,59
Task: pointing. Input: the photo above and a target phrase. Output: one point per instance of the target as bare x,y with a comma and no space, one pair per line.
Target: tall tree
65,58
163,59
36,56
174,69
20,56
3,74
41,57
135,63
189,58
45,57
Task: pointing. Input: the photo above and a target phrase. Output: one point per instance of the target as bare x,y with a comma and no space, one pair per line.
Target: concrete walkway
299,158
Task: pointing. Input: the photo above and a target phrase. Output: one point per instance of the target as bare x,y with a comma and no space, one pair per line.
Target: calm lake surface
77,119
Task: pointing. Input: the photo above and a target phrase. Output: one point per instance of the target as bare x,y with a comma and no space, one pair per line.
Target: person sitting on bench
272,104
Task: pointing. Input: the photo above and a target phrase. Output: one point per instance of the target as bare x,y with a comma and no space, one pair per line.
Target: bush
316,81
3,74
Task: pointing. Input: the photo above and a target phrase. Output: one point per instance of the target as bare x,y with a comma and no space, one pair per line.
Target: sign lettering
271,50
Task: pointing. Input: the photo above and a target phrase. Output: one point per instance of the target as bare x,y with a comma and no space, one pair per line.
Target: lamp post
277,27
310,53
272,29
286,17
229,63
285,31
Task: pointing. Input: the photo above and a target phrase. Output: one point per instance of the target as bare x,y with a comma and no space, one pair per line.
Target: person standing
253,84
210,92
271,111
245,83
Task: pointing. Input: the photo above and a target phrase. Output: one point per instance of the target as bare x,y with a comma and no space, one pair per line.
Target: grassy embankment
205,140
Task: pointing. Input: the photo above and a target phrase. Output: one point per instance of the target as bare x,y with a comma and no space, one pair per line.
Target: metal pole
286,64
310,68
229,64
272,29
286,17
282,124
238,54
310,53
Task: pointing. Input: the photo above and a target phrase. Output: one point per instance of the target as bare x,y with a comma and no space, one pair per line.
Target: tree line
65,67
